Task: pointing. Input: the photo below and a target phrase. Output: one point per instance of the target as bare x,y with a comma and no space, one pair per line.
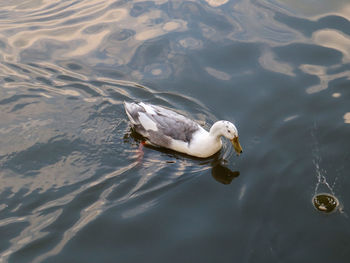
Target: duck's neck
216,130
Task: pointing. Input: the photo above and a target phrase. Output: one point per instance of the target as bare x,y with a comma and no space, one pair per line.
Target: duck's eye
228,131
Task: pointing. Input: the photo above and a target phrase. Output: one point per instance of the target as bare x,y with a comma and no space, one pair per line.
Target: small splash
326,203
323,201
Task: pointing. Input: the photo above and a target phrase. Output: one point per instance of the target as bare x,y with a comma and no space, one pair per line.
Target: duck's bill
236,145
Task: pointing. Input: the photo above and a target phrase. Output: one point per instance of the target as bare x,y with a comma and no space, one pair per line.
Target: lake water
77,187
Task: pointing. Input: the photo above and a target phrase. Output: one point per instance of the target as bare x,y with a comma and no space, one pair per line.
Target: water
75,185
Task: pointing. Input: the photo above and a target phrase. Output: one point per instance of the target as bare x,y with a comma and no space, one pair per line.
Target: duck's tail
132,110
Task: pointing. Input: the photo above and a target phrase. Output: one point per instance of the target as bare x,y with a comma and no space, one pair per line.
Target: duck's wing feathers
159,124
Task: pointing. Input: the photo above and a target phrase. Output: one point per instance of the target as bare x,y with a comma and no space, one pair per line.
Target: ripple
216,3
218,74
159,30
269,62
74,153
191,43
158,70
334,40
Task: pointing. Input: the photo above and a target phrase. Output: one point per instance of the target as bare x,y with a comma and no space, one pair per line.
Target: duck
162,127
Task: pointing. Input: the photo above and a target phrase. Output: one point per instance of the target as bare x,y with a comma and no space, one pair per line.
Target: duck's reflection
220,172
223,174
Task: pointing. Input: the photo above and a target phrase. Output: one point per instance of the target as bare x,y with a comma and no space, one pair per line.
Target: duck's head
228,130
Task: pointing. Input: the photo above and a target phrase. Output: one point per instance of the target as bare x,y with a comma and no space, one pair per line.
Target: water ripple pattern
76,183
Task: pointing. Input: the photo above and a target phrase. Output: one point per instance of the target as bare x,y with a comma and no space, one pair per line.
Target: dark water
75,186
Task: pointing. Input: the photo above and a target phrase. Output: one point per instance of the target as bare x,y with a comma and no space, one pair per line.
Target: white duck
166,128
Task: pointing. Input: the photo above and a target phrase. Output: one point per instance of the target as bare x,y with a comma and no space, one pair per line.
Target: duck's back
160,125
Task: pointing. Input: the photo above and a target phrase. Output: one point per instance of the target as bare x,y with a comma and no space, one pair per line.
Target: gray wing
169,124
174,125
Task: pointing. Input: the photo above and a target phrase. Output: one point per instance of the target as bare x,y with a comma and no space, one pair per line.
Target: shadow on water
222,173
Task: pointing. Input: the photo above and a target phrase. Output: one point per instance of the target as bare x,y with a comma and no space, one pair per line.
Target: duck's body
166,128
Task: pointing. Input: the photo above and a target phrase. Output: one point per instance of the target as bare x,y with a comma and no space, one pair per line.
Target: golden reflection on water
335,40
324,77
34,230
319,8
39,219
268,61
217,73
86,29
347,117
216,3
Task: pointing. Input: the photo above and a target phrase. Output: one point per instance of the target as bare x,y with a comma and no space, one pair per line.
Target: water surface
77,187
